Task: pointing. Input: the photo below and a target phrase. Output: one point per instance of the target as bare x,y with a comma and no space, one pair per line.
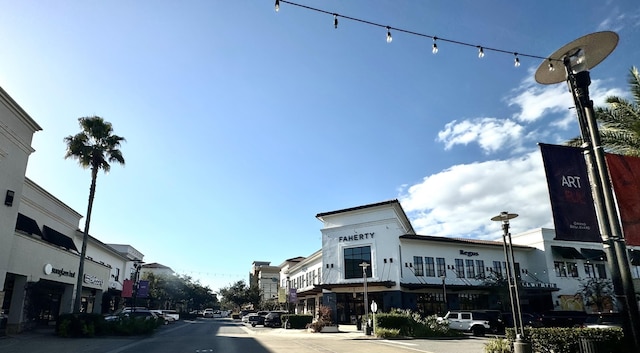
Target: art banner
625,179
143,289
572,204
127,288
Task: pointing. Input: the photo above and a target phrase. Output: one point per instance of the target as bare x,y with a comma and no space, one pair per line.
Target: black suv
274,319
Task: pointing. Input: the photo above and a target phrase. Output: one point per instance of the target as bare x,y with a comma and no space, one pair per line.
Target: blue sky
242,123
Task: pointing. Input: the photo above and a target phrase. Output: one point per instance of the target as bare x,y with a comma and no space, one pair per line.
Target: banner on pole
572,204
127,288
625,179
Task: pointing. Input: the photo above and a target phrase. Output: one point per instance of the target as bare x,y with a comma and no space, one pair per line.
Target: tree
596,291
239,295
619,121
95,147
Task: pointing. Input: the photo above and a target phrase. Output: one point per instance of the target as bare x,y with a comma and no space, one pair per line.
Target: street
228,336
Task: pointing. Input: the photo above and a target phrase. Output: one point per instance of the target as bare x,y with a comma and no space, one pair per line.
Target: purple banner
143,289
293,295
572,204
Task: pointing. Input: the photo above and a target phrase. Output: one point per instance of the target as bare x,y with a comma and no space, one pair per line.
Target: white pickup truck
474,322
171,315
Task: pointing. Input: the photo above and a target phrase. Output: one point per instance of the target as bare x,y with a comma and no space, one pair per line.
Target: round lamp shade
596,47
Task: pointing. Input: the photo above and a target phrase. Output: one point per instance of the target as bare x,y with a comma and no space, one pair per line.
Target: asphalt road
228,336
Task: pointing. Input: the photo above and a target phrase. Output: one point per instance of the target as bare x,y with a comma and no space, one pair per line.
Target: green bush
387,332
567,340
80,325
412,324
297,321
498,345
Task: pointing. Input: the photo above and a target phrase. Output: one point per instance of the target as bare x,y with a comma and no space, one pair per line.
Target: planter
329,329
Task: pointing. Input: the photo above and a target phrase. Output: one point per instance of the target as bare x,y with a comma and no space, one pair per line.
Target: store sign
91,279
469,253
49,269
356,237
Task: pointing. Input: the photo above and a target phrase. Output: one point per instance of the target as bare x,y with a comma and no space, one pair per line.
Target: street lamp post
444,294
520,345
578,57
364,266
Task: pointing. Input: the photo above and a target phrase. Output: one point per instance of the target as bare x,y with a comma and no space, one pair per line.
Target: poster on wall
574,214
625,179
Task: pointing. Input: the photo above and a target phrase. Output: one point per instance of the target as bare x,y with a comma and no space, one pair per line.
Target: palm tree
94,147
619,121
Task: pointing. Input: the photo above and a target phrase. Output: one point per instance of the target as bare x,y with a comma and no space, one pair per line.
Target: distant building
266,278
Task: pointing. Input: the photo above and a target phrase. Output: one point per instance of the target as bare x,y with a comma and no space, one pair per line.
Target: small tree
596,291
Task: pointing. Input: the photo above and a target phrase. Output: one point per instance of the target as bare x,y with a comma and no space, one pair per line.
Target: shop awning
594,254
634,257
27,225
566,252
57,238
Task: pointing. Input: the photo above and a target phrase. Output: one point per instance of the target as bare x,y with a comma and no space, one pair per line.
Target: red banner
625,178
127,288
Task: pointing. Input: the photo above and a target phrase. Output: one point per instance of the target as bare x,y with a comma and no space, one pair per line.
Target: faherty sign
355,237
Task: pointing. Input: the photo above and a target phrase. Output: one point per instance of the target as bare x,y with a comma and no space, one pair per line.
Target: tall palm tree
94,147
619,121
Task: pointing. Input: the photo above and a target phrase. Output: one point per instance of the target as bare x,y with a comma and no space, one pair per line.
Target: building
266,278
375,245
40,238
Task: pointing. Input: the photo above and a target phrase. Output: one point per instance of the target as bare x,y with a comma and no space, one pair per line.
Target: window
442,267
418,267
459,268
471,270
602,272
589,270
480,266
497,268
430,270
353,257
561,270
465,316
516,269
572,269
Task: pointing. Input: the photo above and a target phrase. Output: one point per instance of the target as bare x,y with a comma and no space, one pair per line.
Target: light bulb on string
434,47
551,68
480,52
389,38
277,5
335,20
516,62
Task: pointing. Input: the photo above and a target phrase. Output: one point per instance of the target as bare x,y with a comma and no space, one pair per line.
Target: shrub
412,324
498,345
387,332
567,340
80,325
298,321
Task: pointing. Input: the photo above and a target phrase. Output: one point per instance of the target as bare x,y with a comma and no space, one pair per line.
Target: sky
243,123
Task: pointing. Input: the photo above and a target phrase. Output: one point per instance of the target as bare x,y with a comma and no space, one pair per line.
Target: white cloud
491,134
461,200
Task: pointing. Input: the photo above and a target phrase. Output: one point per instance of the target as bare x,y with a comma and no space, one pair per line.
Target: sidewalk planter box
329,329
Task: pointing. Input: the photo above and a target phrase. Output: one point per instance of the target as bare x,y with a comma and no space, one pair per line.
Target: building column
66,301
97,302
16,312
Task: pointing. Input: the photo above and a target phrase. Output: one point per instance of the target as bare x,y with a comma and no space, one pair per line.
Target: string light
434,49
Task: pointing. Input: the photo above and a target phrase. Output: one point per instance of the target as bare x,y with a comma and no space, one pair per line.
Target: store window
471,270
418,266
589,270
430,269
442,266
480,266
560,269
353,257
459,268
572,269
602,272
497,268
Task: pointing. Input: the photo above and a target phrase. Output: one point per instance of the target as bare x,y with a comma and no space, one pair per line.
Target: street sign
374,306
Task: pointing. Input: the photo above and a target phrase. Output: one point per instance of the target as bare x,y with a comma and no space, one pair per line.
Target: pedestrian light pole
520,345
364,266
578,57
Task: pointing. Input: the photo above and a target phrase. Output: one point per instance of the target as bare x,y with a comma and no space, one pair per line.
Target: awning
634,257
57,238
594,254
566,252
27,225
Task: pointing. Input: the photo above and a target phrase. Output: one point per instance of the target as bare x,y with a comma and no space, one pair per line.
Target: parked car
171,315
208,312
496,321
564,318
603,320
467,321
529,320
129,312
255,319
274,319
